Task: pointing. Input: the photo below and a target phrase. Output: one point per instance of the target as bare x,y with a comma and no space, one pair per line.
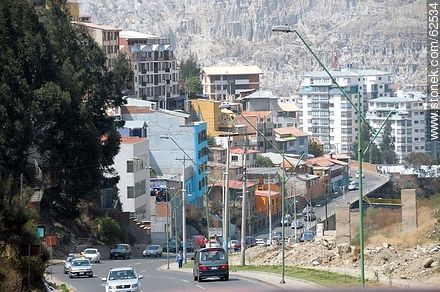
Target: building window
129,166
234,158
130,192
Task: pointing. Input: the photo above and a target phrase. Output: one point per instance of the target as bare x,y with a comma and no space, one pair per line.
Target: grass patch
323,278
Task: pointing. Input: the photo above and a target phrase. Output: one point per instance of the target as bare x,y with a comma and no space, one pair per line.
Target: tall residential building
156,73
226,83
107,38
326,114
407,126
131,164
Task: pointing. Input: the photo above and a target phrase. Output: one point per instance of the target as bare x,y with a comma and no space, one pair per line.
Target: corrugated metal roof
131,34
287,107
261,94
290,131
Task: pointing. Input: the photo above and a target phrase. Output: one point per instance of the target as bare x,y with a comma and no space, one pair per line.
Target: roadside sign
41,231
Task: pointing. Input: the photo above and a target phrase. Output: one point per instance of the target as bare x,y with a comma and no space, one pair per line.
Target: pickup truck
120,250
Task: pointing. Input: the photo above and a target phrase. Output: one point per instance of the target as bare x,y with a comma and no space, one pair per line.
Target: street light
361,119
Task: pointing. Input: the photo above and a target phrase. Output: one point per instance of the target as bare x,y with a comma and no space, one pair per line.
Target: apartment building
326,114
226,83
292,140
107,37
156,73
134,178
407,126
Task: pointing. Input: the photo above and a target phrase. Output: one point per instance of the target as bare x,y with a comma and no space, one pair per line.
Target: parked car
310,217
152,250
307,210
68,262
357,174
189,246
172,246
250,241
92,254
353,185
277,235
121,250
80,267
287,220
210,262
122,279
307,236
297,224
234,245
262,241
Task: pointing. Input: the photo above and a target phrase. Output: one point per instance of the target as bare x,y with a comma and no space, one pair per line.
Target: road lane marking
171,278
186,281
201,287
137,263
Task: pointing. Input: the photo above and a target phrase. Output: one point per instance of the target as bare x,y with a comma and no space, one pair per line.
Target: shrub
109,230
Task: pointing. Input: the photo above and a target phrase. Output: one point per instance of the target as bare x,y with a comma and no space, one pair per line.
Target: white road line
137,263
171,278
201,287
186,281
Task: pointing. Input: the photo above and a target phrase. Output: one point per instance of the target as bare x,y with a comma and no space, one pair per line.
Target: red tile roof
235,184
324,161
290,131
265,193
136,110
239,150
131,140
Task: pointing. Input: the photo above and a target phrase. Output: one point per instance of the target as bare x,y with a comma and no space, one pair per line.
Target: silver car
92,254
68,262
152,250
80,267
124,279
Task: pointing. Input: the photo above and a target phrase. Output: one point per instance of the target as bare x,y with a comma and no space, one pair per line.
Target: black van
210,262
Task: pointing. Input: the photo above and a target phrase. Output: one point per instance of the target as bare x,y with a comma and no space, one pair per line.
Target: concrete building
226,83
326,114
156,73
292,140
334,173
237,156
134,177
165,155
107,37
407,126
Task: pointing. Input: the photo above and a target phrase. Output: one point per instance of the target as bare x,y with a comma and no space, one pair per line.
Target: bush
109,231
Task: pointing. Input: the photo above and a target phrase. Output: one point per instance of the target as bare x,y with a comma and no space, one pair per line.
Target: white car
92,254
357,175
122,279
80,267
261,241
354,185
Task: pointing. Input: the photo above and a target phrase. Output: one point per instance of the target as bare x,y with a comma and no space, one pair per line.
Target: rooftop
132,140
131,34
96,26
239,150
290,131
256,113
287,106
235,184
324,161
345,73
136,110
232,70
261,94
266,193
395,99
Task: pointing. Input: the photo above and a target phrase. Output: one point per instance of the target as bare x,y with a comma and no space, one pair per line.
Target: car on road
120,250
122,279
80,267
277,235
92,254
287,220
353,185
172,246
250,241
68,262
189,246
152,250
262,241
307,210
307,236
357,174
310,217
210,262
297,224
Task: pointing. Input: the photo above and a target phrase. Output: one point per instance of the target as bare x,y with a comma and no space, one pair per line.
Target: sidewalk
266,278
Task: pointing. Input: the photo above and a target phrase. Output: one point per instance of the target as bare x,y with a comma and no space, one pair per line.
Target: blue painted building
166,155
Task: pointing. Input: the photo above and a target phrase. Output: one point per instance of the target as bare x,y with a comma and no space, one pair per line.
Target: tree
315,148
190,67
387,146
416,159
194,86
262,161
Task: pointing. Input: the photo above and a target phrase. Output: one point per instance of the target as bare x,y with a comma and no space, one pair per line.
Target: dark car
120,250
250,241
307,236
172,246
188,244
210,262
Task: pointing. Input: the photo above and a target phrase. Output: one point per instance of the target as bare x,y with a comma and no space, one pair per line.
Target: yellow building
218,120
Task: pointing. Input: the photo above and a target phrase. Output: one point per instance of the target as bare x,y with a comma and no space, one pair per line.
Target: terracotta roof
238,150
232,70
290,131
235,184
256,113
265,193
131,140
136,110
324,161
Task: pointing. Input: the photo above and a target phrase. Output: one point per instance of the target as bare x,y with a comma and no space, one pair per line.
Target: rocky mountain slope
380,34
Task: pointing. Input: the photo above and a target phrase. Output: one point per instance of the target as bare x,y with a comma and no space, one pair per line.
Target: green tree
190,67
387,146
194,86
109,230
315,148
262,161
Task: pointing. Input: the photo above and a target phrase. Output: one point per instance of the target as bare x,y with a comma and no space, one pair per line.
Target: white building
408,125
131,164
324,113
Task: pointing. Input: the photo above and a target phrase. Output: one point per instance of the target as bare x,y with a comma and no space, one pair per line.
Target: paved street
156,279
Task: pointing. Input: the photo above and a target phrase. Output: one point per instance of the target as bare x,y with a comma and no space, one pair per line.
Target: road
156,279
371,182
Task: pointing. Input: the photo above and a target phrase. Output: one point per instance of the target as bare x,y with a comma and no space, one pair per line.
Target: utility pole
167,234
207,208
283,244
270,211
294,209
183,212
243,211
361,199
226,200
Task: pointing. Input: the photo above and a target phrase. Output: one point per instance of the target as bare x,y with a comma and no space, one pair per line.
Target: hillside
381,34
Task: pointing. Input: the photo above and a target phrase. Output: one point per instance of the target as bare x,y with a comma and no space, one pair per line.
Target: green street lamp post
361,119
